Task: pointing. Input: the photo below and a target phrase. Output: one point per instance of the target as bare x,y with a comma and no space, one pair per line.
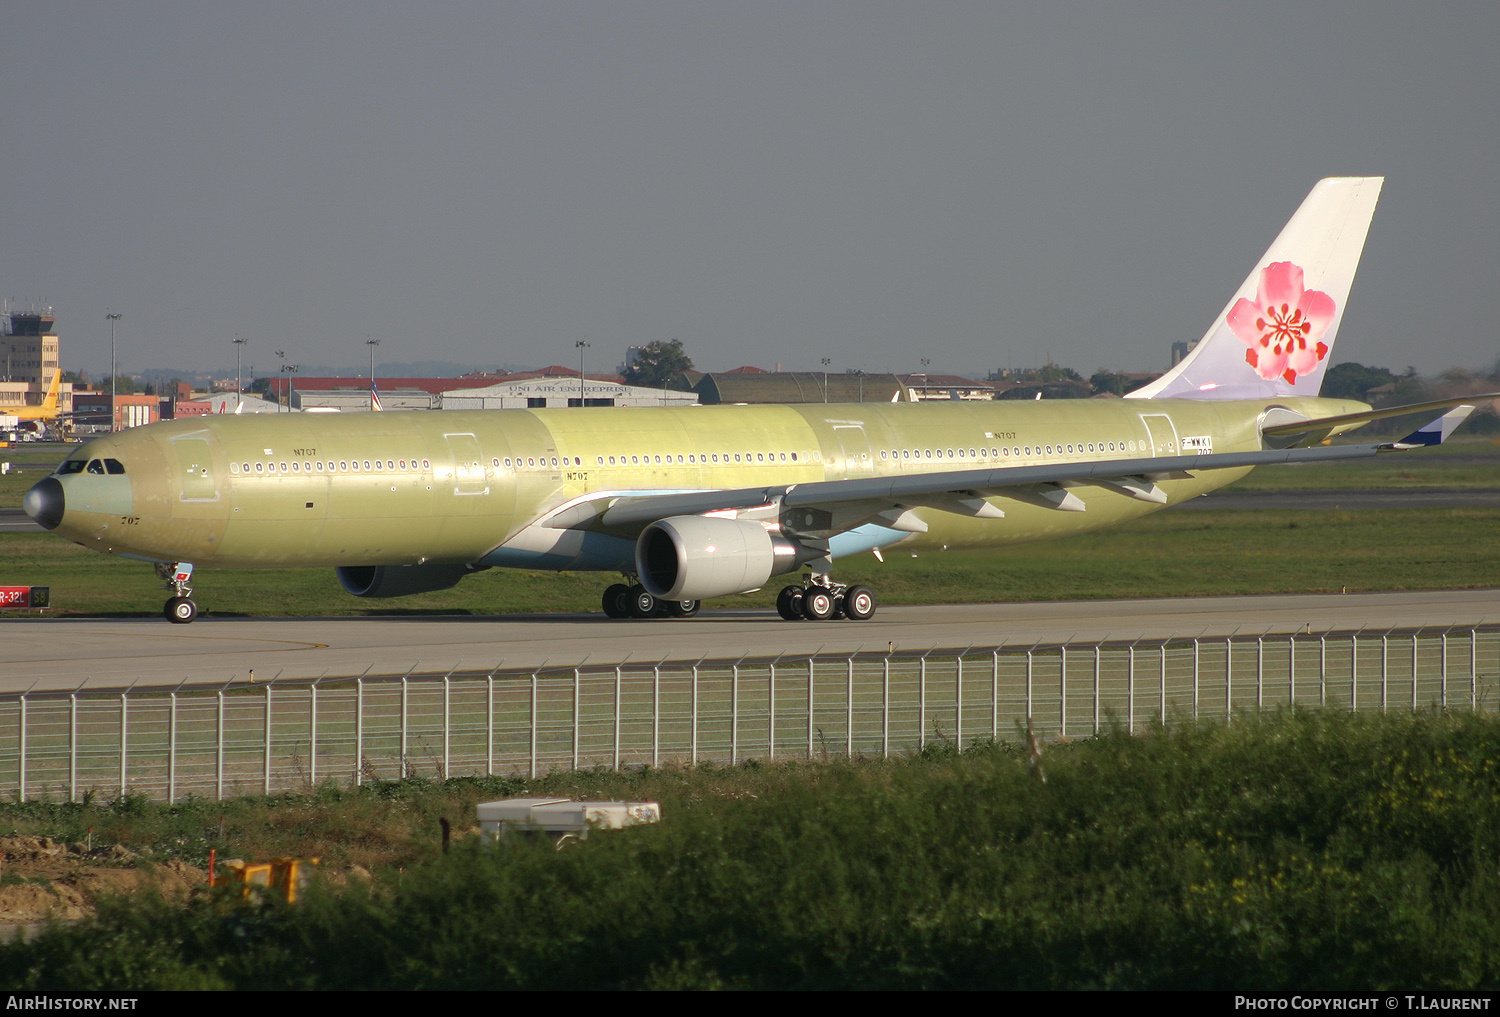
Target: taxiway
65,653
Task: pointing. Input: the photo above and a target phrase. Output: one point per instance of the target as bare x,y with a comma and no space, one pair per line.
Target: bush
1308,848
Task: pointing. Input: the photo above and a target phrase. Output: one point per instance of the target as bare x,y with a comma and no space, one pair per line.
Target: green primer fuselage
299,490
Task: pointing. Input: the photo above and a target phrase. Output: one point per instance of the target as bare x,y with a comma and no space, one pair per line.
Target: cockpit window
96,466
114,467
71,466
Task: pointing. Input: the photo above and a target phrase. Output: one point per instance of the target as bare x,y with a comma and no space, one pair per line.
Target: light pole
113,413
925,362
289,370
239,375
372,343
281,358
581,346
826,362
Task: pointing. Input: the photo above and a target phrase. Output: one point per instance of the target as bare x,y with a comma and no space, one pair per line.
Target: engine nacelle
399,580
695,557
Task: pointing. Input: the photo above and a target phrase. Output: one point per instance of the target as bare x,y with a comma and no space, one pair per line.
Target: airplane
690,503
48,409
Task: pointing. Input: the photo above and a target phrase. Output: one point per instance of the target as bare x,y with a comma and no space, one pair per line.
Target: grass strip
1346,852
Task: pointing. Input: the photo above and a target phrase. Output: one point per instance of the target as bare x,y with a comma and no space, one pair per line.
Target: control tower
28,347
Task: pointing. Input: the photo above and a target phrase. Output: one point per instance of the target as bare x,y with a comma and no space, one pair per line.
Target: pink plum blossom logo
1284,326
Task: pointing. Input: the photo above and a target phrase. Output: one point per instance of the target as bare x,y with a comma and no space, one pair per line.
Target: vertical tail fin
1274,336
49,402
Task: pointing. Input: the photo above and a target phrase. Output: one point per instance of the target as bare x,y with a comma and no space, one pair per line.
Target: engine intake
399,580
696,557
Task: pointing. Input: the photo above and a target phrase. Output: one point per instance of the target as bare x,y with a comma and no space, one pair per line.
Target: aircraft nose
44,503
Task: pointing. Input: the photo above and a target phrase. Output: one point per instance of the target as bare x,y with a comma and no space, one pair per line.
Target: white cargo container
561,818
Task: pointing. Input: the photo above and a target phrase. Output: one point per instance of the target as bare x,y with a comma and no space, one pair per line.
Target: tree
657,363
1107,382
124,385
1351,381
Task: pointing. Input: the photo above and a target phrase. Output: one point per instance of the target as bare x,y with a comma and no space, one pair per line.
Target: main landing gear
621,601
180,607
821,599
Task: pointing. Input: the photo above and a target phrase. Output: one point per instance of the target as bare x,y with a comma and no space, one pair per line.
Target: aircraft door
195,469
1163,434
855,447
469,474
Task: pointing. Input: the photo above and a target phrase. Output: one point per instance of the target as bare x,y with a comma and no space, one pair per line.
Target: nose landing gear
180,607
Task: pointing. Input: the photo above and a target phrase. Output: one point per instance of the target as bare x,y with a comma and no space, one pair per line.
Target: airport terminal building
546,392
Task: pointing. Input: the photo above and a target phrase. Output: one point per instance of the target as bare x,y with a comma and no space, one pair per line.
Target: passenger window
260,467
794,457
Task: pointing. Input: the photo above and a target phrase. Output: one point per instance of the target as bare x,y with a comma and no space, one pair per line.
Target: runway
68,653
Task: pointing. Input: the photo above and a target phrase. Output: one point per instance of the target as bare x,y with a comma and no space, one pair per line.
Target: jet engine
695,557
399,580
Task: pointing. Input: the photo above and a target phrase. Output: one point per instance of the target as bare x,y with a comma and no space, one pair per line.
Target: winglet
1436,432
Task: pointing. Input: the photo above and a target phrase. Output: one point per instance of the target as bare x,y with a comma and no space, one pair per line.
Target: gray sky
768,182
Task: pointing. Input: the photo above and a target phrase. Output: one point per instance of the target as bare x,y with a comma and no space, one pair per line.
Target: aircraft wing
965,491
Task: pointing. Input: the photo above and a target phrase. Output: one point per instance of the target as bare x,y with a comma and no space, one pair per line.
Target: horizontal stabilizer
1355,419
1436,432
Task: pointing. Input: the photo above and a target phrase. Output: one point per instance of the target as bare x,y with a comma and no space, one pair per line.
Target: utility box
560,819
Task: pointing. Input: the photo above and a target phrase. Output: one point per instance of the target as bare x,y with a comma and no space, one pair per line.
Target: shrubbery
1309,849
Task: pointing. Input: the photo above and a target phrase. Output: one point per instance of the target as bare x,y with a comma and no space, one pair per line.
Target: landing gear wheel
180,610
859,603
642,603
789,603
683,608
617,601
817,604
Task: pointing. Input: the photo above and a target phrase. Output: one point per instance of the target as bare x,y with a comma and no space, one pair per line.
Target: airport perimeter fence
292,735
